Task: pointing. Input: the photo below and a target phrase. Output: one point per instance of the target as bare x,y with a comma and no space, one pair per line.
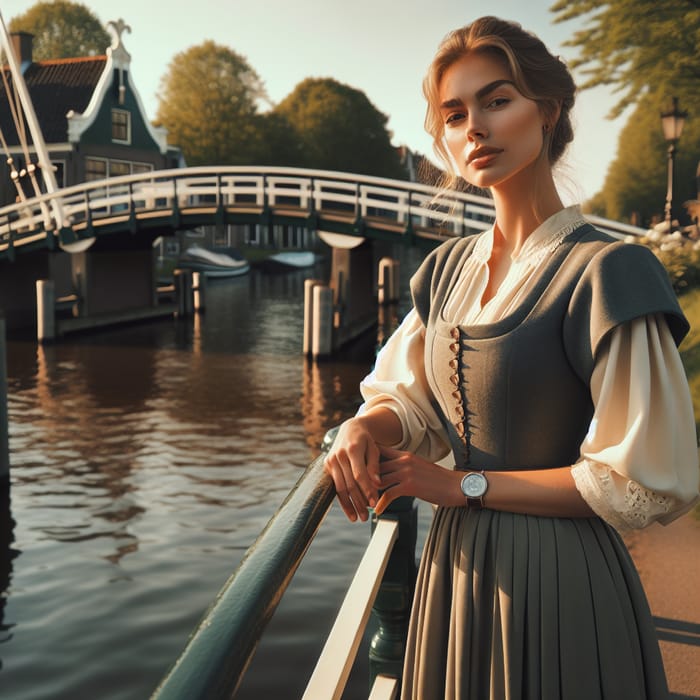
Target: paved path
668,560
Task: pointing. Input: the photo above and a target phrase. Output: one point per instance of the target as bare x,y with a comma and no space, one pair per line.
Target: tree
635,185
647,51
338,128
279,144
208,103
636,45
62,29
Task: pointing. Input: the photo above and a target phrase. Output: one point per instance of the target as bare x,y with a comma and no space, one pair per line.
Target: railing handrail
132,196
221,648
257,170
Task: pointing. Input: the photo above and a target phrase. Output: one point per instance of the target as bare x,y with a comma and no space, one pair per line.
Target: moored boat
212,264
288,260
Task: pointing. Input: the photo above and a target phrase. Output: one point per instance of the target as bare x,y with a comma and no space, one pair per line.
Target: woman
543,355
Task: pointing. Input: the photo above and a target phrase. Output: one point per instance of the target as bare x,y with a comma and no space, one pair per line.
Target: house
93,126
90,114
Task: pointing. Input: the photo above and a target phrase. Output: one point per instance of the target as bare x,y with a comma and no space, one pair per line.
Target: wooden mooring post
318,319
388,285
184,295
45,310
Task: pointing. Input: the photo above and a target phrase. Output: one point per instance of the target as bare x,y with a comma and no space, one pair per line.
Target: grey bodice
515,394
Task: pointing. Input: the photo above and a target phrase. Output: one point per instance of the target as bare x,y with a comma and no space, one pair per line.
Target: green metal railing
4,416
221,648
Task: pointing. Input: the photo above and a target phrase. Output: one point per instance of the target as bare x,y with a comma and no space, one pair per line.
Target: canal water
145,460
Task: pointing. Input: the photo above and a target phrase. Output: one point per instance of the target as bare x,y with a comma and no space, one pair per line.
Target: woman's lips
483,157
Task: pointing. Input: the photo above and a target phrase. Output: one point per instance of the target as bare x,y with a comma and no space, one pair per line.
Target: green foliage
62,29
636,45
635,185
647,51
690,354
279,143
679,254
208,102
338,128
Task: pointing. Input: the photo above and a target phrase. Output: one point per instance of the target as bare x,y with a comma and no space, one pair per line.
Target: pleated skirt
520,607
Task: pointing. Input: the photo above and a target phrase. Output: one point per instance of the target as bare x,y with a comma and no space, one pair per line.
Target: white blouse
639,460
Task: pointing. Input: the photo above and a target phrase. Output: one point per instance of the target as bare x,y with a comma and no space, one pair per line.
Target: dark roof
429,174
55,87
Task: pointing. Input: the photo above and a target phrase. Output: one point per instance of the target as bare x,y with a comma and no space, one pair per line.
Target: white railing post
333,666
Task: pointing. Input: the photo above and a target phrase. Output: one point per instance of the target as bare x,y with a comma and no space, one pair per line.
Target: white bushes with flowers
679,253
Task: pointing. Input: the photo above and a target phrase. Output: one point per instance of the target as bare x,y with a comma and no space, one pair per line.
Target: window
101,168
95,169
121,126
117,168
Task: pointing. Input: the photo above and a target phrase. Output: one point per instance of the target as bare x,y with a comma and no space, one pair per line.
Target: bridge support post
388,282
4,415
45,310
392,606
353,292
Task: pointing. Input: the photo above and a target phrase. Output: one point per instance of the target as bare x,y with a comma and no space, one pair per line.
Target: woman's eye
497,102
454,118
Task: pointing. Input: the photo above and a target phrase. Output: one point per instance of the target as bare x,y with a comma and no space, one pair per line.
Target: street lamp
672,123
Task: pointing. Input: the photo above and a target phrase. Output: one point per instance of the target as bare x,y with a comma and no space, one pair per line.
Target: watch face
474,485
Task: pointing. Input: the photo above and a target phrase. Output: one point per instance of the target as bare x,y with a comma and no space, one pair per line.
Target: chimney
22,44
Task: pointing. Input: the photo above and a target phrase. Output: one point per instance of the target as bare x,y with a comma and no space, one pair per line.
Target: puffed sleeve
398,382
639,461
622,282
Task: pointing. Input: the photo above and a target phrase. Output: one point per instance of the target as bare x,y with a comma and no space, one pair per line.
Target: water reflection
145,460
7,555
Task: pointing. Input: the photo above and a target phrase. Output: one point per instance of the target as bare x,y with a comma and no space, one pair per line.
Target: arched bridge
165,200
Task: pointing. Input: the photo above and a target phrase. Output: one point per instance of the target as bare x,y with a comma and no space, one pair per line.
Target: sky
382,47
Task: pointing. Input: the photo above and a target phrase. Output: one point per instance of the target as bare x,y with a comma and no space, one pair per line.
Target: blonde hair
537,74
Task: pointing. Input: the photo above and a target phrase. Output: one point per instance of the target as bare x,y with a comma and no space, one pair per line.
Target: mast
33,123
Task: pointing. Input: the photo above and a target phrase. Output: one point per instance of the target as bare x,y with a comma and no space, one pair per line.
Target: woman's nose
476,130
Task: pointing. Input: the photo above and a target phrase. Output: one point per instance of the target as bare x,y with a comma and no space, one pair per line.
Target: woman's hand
353,464
405,474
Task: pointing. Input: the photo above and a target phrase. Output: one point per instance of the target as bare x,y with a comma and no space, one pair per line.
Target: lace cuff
621,502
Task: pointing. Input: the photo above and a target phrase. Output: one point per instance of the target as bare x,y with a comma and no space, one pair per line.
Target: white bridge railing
376,203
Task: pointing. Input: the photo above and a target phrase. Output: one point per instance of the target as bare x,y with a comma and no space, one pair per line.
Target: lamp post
672,123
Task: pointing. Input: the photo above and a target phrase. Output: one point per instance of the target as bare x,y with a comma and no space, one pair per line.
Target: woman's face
492,132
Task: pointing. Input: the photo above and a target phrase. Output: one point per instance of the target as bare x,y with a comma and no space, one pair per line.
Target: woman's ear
550,116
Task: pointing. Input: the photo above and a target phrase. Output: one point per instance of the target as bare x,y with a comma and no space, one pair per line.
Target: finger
390,452
358,468
342,490
388,496
373,466
353,489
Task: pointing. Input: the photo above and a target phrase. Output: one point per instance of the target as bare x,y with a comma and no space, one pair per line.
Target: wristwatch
474,486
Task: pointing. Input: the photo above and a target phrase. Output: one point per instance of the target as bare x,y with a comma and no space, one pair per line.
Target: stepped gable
56,87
